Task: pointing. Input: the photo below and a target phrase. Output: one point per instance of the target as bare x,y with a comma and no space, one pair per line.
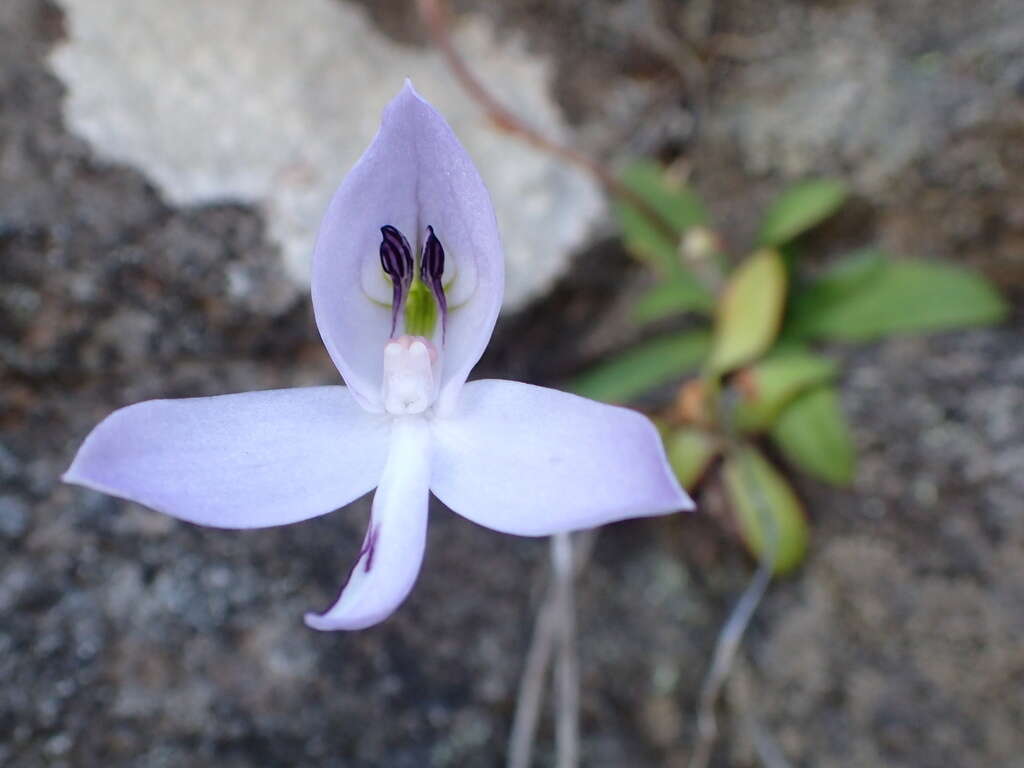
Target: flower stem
731,634
531,686
567,734
549,628
725,651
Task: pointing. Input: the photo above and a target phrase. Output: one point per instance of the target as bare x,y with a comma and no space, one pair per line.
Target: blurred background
163,169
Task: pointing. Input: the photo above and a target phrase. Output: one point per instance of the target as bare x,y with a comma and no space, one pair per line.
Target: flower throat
417,293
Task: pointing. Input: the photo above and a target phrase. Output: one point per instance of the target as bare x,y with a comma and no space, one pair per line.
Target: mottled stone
13,516
130,639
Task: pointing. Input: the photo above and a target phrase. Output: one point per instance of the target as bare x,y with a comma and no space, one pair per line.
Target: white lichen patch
270,103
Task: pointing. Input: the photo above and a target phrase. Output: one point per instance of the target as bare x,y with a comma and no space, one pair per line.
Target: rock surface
269,104
127,639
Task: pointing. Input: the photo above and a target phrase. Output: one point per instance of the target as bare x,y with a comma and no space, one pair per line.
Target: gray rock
13,517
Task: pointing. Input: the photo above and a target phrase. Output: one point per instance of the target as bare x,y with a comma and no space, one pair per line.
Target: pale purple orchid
512,457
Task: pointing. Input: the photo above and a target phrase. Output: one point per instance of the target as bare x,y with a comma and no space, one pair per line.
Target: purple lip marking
369,547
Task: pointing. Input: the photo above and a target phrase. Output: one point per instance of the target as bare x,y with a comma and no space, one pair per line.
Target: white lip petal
393,548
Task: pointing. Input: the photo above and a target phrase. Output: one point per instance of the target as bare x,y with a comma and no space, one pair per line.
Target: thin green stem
731,635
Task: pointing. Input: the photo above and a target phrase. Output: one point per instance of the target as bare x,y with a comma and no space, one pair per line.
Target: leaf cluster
755,377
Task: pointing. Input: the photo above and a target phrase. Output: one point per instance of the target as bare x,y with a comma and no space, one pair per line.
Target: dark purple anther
396,261
431,272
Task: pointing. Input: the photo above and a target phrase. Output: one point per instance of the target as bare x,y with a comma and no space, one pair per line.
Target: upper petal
415,174
395,538
237,461
533,461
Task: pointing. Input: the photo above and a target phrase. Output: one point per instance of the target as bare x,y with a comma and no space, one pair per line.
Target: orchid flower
407,282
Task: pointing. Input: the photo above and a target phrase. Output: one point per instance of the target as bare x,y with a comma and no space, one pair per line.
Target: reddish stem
435,15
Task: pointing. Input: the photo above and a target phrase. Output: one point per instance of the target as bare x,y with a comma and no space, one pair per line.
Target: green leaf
678,205
673,296
690,452
849,275
813,434
749,311
766,508
799,208
791,256
867,296
643,367
770,384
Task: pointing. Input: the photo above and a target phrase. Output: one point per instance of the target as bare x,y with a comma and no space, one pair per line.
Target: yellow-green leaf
799,208
644,367
867,296
673,296
690,452
677,205
813,434
749,311
771,383
766,508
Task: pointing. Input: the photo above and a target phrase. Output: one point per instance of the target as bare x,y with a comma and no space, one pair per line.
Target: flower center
409,385
417,287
